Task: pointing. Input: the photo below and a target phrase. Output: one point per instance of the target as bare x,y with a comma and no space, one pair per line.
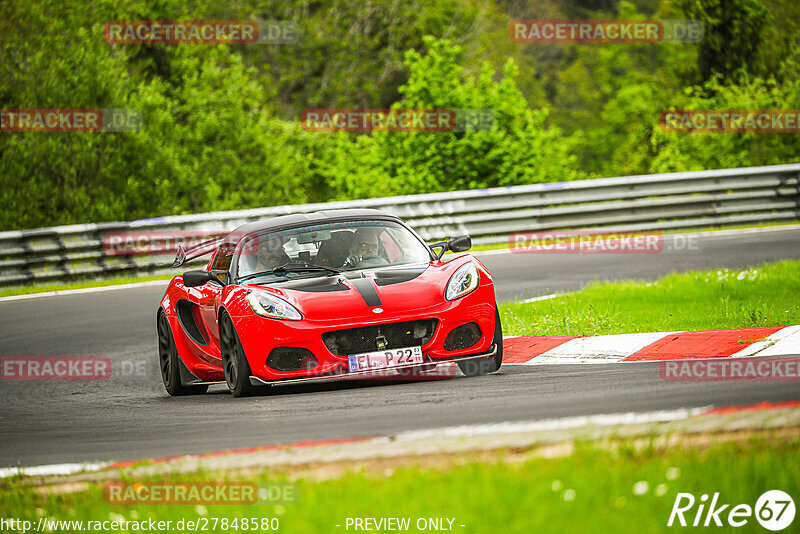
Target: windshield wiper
300,267
254,275
290,268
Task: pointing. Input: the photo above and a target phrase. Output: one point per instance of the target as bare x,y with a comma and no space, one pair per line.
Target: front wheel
489,364
234,362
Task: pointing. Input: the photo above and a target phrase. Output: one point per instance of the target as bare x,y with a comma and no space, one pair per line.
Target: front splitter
256,381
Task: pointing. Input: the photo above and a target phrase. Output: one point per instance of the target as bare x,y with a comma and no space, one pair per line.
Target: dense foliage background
221,128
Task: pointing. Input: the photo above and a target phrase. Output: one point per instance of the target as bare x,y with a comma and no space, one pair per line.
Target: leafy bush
519,149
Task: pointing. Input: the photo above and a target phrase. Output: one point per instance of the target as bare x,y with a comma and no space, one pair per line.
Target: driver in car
364,249
269,254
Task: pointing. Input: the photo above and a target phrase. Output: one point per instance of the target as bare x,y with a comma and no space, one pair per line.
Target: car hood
359,293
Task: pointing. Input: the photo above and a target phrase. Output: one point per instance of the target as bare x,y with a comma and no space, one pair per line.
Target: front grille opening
291,359
463,337
371,338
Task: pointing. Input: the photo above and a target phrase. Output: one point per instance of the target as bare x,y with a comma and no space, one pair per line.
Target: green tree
209,139
734,31
518,149
698,151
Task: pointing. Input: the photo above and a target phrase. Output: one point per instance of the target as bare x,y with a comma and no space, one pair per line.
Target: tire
234,362
490,364
169,362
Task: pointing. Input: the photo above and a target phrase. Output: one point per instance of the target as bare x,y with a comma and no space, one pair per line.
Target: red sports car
332,294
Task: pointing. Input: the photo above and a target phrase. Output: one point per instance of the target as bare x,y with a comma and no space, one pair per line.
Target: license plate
385,359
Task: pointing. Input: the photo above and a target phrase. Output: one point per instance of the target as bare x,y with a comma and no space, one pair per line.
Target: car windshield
322,250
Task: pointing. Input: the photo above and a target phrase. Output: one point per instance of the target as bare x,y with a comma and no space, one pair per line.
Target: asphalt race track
45,422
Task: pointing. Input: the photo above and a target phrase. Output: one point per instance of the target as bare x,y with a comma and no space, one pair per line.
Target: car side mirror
459,243
199,277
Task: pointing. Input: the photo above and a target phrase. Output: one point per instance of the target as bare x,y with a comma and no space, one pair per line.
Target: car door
206,299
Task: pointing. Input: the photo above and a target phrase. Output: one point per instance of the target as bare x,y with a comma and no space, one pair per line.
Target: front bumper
259,336
256,381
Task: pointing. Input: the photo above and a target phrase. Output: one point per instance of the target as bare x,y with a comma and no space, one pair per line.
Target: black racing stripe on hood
367,290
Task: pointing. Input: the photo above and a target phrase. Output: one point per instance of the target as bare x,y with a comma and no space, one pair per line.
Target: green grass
591,490
705,300
31,289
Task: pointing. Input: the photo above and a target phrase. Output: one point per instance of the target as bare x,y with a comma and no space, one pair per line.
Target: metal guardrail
634,203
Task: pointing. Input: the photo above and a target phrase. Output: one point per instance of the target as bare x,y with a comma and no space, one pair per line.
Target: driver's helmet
365,243
271,250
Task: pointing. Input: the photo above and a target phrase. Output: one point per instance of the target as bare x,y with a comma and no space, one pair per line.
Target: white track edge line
536,299
53,469
97,289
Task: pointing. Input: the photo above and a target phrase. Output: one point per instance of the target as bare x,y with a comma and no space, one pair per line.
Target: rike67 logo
774,510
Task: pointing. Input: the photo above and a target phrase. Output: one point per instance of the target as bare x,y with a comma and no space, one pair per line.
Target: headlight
270,306
463,282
